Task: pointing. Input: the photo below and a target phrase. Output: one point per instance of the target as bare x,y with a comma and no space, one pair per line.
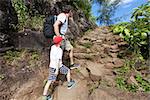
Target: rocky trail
97,53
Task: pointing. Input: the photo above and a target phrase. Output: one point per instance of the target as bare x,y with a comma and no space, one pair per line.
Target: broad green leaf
127,32
143,35
147,31
121,35
136,34
121,28
143,42
116,30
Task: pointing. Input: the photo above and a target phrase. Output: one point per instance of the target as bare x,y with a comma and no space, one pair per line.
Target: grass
15,58
93,86
123,75
87,45
9,56
35,56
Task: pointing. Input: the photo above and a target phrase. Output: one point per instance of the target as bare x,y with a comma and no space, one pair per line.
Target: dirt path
97,53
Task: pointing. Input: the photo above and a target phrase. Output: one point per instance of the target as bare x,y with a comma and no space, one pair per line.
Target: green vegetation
35,56
15,58
93,86
87,45
132,68
106,10
31,18
136,34
123,78
34,59
84,5
35,22
21,10
121,82
24,17
11,55
142,83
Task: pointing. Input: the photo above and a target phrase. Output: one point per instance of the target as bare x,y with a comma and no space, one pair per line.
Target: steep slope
97,53
12,19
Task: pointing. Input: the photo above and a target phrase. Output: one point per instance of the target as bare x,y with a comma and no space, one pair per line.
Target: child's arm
59,64
57,68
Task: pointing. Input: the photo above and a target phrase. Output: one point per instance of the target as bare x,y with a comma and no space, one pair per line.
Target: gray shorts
52,76
66,45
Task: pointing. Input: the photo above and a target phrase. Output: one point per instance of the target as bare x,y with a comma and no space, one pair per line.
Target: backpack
48,29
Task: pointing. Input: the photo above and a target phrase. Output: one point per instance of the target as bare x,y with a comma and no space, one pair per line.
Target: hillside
111,69
22,77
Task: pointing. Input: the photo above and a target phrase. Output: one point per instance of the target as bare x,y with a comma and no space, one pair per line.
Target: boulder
8,19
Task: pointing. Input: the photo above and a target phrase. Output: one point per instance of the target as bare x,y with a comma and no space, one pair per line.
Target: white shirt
63,18
55,57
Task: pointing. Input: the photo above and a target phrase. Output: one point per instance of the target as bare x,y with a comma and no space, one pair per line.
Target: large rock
77,25
8,19
79,92
113,94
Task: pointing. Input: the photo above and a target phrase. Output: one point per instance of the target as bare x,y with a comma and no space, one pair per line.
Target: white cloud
111,1
126,1
123,2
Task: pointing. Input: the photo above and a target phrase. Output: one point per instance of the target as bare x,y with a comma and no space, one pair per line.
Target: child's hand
63,36
56,72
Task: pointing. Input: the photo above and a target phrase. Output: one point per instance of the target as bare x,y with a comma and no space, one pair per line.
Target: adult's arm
56,27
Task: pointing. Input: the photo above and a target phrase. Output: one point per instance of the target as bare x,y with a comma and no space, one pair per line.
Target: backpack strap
55,18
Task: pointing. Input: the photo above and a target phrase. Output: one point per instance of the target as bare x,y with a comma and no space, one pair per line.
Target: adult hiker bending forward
60,28
56,66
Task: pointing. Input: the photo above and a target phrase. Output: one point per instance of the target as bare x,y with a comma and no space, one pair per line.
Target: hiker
56,66
60,29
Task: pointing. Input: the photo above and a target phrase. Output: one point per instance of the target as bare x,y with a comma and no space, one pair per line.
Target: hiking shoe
47,97
73,66
71,84
44,97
